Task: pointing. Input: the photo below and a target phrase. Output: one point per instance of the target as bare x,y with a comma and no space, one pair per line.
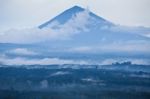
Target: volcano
78,31
87,31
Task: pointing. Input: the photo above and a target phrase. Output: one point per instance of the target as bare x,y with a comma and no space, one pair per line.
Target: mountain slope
87,29
67,14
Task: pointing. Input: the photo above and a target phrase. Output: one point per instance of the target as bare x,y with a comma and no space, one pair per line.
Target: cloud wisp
21,51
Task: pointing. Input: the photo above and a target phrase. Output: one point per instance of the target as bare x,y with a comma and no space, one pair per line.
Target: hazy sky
30,13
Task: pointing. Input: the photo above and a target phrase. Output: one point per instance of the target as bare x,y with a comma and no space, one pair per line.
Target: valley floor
90,83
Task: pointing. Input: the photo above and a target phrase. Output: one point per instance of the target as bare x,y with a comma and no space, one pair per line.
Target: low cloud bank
18,61
21,51
44,61
132,46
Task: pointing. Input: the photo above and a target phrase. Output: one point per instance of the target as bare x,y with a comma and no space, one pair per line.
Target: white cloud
143,31
45,61
76,24
26,36
81,49
60,73
18,61
92,80
22,51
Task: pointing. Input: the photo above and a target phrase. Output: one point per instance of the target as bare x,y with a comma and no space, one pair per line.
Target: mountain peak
64,16
77,7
